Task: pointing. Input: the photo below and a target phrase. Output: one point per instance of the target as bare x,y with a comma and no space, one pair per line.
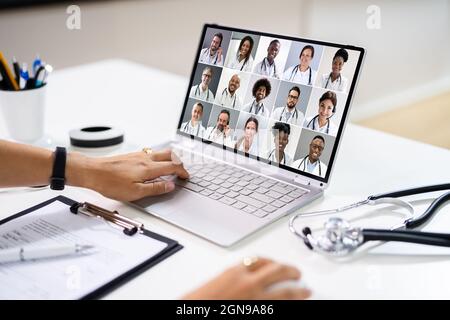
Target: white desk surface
146,103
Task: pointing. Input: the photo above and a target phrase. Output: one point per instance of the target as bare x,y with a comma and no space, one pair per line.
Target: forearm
25,165
124,177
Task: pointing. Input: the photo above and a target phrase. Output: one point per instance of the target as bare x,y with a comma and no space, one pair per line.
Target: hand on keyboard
133,176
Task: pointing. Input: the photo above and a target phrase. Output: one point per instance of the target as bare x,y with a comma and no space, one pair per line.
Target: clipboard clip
130,227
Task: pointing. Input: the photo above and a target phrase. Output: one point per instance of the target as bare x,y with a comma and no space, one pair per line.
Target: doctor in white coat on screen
243,59
335,80
268,67
261,90
322,121
221,132
248,143
201,91
302,73
229,96
194,126
312,163
281,132
213,54
289,113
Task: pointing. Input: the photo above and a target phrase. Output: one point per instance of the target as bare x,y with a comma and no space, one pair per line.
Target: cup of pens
22,99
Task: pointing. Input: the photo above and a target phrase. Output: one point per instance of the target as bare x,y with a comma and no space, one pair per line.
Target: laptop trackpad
208,218
163,205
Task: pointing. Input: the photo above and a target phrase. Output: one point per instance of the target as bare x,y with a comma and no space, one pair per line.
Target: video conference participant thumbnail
302,72
289,113
311,163
194,125
280,132
214,53
229,96
221,132
322,121
267,66
261,90
202,91
242,60
335,80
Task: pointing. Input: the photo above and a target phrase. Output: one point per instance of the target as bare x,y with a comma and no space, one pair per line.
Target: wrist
79,170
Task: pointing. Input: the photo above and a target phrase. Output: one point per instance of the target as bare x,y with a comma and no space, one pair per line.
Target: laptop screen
278,99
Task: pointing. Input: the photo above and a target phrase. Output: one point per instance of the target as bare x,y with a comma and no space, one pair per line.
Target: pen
48,70
38,77
7,75
41,75
29,253
24,76
36,64
16,68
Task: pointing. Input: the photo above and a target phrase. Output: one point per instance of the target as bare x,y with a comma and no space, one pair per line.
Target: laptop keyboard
241,189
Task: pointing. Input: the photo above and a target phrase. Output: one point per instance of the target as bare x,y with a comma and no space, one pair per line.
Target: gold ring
249,262
147,150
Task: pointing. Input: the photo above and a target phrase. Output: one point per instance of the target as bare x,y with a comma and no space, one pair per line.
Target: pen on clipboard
36,252
130,227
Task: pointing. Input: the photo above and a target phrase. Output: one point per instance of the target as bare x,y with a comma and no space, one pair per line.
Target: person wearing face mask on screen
322,121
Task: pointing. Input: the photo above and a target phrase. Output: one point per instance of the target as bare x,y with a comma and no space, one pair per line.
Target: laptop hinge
299,179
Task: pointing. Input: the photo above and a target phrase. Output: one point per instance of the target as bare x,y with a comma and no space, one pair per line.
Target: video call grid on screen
233,92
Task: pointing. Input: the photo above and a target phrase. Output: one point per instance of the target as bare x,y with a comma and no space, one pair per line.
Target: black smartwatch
58,178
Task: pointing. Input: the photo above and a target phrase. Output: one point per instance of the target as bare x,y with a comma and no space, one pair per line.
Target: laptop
259,130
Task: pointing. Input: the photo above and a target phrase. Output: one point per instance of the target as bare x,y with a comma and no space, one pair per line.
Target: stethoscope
245,61
294,115
284,156
304,165
214,128
328,80
254,103
187,124
294,73
197,92
234,98
341,239
263,64
208,52
314,126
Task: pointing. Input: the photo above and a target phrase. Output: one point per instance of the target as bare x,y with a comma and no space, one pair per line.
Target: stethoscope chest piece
339,239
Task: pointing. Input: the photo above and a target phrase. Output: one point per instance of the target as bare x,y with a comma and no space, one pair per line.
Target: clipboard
172,246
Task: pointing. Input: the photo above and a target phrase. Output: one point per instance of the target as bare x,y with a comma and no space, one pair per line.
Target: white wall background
407,59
